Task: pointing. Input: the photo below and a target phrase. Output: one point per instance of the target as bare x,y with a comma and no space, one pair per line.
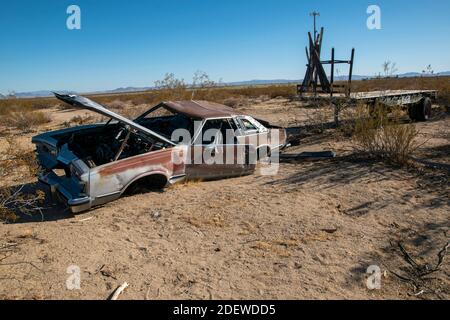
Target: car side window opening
165,122
221,130
247,126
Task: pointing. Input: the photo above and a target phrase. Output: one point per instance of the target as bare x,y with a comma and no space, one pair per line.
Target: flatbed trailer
417,102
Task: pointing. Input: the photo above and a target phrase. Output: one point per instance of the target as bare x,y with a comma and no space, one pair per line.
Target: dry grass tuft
26,121
234,102
133,112
318,117
377,136
80,120
8,106
118,104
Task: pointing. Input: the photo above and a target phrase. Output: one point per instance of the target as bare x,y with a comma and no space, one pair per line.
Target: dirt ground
309,232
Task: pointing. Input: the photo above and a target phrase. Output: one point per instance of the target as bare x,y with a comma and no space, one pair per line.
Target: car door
215,152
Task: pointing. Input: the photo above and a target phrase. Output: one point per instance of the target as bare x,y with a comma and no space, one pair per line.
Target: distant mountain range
40,93
49,93
128,89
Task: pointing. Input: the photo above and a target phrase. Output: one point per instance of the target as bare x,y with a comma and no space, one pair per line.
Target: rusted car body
103,161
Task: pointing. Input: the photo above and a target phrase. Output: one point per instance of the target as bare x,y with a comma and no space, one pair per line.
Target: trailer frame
418,103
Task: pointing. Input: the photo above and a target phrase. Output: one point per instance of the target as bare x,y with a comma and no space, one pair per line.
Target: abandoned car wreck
91,165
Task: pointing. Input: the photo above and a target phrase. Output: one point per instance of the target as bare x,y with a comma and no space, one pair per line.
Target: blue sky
135,42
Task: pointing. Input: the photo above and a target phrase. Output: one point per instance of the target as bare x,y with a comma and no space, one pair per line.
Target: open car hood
85,103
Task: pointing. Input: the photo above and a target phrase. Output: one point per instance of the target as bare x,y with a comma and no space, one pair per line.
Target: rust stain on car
162,158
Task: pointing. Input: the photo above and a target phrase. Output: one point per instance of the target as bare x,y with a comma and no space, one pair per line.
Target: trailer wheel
412,111
424,110
420,111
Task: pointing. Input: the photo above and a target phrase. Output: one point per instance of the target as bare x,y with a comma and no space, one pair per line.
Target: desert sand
309,232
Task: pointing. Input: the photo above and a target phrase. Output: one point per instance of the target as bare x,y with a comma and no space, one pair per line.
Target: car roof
200,109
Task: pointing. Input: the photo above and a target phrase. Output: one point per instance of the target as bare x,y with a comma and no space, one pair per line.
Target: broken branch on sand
118,291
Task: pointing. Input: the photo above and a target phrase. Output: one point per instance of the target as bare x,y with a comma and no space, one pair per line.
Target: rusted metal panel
112,179
219,161
201,109
161,157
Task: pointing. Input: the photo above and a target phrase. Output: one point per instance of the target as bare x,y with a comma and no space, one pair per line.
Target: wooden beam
332,72
320,40
350,74
336,62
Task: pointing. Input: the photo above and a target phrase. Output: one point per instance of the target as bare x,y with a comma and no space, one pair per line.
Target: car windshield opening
165,122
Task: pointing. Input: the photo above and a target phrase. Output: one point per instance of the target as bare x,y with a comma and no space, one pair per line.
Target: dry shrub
142,99
14,105
14,200
15,159
80,120
134,112
380,137
19,164
231,102
318,117
264,98
26,121
77,120
347,116
234,102
65,106
117,104
171,88
282,91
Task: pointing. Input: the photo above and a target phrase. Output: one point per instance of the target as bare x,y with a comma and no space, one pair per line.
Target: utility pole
315,14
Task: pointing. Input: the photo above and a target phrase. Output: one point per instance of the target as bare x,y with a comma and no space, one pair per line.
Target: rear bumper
60,189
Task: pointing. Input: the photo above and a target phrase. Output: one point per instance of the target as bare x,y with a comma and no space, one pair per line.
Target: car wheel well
146,183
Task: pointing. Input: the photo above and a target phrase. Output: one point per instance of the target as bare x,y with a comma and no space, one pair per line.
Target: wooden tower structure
316,80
